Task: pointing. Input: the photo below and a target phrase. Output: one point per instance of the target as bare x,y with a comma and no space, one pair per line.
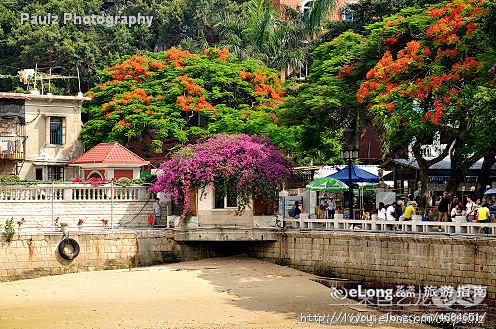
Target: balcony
12,138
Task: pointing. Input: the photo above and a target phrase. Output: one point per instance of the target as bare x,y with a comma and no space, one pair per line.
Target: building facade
39,135
109,161
336,14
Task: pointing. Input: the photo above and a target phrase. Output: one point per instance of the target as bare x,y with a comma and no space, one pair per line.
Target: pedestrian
381,212
157,209
410,210
470,209
323,208
492,207
331,208
390,213
455,211
476,209
483,217
455,202
444,207
298,209
410,200
398,211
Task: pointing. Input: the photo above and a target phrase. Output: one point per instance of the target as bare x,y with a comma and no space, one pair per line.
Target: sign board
289,202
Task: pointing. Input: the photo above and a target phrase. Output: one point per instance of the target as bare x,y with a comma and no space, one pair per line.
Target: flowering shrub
94,181
249,164
20,222
180,96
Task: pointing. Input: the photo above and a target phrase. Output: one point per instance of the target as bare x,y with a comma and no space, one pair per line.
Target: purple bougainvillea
249,166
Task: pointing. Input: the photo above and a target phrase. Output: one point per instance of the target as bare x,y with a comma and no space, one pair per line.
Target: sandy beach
234,292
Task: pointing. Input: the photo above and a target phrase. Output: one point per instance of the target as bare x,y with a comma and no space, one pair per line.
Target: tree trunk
424,166
424,187
484,175
460,164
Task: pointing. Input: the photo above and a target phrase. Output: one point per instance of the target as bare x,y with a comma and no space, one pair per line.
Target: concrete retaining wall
33,255
388,259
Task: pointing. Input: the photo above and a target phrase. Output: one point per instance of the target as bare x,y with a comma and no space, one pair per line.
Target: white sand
235,292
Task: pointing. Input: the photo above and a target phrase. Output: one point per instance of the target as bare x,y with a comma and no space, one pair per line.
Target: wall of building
208,215
31,255
296,4
388,260
39,109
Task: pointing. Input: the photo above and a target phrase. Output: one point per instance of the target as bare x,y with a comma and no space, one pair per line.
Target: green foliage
321,108
94,47
366,12
178,97
9,229
277,36
8,179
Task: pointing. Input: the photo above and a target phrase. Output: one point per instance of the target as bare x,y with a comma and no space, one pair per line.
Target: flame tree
176,96
431,63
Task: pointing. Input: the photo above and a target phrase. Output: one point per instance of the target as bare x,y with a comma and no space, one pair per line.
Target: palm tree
279,38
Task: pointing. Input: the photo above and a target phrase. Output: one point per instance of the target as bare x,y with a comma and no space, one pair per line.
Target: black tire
75,246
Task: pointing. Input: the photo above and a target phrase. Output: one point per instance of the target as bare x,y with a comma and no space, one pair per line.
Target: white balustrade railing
72,192
458,226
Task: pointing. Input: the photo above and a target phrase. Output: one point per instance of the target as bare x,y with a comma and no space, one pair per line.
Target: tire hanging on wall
66,255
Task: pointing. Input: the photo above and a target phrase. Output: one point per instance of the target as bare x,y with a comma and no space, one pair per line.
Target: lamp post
350,154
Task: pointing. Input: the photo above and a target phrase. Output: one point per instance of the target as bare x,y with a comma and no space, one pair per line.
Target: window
347,11
76,171
305,6
228,201
347,16
55,131
55,173
95,174
39,173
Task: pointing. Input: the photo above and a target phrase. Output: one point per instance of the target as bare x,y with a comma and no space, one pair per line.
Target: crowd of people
447,210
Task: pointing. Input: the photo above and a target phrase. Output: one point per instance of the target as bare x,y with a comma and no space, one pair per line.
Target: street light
350,154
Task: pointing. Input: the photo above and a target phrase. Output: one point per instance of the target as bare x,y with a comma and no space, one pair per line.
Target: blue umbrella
357,175
491,191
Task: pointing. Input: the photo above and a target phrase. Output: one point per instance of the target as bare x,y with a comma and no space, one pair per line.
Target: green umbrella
327,184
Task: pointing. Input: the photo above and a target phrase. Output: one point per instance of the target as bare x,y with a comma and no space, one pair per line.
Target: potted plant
105,222
80,223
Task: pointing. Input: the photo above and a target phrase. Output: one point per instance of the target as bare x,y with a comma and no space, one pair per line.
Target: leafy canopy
176,96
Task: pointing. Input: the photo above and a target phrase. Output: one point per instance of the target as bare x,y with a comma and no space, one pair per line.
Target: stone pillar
67,194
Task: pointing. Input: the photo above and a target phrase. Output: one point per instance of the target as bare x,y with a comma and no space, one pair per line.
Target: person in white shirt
390,212
454,211
469,209
390,215
381,212
331,207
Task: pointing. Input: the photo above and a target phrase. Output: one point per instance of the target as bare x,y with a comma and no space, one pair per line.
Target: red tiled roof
110,153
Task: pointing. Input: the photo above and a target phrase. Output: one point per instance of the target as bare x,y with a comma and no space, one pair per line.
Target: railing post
53,196
112,204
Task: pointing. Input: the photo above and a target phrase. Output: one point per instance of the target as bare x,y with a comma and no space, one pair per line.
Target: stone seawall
387,260
30,255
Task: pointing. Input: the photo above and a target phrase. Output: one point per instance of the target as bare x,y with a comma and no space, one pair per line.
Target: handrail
414,226
72,192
